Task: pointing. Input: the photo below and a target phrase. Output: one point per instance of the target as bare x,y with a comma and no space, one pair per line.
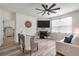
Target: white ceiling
29,8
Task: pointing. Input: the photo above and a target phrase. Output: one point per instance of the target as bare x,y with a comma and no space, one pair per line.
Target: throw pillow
71,36
67,40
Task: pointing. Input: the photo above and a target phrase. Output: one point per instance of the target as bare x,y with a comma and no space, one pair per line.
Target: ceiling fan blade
39,9
55,9
40,12
48,13
52,11
52,6
43,6
44,12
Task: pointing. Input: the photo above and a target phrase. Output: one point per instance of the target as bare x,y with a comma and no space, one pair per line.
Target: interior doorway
9,31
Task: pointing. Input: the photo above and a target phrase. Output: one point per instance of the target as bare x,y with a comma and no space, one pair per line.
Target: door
1,31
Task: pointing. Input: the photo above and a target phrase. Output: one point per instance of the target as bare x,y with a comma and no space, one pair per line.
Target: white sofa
68,49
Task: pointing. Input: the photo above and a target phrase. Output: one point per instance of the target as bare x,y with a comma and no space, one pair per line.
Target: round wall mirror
28,24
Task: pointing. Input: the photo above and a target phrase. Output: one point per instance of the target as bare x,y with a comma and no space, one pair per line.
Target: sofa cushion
62,40
75,40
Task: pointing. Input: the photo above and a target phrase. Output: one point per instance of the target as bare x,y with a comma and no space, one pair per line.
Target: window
63,25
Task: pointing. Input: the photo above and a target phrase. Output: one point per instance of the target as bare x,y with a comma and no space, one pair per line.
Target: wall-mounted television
43,24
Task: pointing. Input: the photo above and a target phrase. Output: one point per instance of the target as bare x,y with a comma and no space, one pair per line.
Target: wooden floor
45,48
8,41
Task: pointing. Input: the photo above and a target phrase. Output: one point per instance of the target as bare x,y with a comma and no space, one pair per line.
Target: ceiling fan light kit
47,9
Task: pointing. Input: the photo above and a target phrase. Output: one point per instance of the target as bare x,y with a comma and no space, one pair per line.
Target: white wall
20,25
9,21
6,15
75,21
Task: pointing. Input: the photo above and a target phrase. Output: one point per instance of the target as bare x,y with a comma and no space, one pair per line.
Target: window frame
60,26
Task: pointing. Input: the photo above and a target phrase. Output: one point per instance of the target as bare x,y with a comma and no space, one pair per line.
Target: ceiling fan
47,9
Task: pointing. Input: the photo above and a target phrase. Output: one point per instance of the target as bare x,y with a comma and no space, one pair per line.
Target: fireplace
43,28
43,34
